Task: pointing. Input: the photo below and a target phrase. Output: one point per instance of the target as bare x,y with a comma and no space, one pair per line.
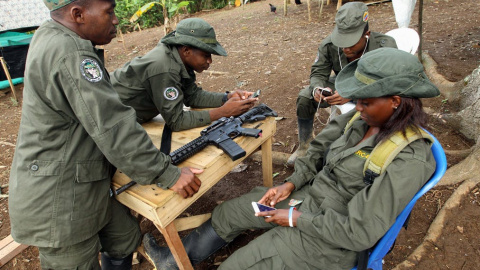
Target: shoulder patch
170,93
365,16
91,70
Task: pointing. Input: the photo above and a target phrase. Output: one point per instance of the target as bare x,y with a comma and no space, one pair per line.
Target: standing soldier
73,135
350,40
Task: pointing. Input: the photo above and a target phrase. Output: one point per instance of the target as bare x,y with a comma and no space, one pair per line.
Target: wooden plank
141,250
9,249
5,241
187,223
5,69
267,169
176,247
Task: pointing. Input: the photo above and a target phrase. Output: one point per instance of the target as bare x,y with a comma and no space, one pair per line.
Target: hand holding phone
318,92
258,207
326,93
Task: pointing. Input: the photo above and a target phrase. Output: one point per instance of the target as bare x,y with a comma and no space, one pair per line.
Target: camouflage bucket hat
350,22
56,4
197,33
385,72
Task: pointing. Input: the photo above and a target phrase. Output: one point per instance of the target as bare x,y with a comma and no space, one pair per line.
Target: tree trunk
467,119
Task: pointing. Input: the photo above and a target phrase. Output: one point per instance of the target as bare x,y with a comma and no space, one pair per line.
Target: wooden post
309,15
339,4
320,12
4,65
420,29
284,7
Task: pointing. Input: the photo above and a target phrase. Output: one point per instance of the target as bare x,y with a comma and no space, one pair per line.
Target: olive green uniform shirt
73,133
341,215
159,83
330,57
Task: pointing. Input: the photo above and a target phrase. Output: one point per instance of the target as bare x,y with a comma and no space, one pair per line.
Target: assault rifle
221,134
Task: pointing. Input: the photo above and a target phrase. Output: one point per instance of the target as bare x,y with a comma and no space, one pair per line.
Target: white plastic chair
407,39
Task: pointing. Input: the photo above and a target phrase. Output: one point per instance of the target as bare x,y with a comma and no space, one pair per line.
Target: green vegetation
147,13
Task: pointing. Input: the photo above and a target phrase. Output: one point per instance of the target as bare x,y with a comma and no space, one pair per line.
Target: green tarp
13,48
14,38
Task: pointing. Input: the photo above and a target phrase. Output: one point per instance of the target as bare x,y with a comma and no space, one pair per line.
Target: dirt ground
274,53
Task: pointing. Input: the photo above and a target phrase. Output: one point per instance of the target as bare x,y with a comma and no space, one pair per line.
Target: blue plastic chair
384,244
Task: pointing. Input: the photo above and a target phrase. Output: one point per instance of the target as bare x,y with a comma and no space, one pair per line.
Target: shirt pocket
91,189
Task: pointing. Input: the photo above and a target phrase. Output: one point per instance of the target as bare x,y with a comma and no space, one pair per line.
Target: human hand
236,106
280,216
321,93
188,183
277,194
336,99
240,94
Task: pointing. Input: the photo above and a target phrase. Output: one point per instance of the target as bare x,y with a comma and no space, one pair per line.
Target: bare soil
274,53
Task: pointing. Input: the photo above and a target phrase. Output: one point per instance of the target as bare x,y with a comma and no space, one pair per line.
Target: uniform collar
184,73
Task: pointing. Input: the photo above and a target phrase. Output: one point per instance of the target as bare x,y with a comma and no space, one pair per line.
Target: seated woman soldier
339,214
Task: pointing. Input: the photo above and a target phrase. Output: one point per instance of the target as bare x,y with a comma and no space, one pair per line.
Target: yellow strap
350,123
384,153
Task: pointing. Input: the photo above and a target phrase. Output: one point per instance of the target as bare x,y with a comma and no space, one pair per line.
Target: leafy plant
170,9
126,8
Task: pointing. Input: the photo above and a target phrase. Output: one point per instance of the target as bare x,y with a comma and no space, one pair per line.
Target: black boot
305,131
199,245
110,263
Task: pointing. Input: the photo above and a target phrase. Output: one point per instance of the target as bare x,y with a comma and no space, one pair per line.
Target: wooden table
163,207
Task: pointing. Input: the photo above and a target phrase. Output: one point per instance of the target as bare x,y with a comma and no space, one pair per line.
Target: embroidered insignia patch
365,16
362,154
91,70
170,93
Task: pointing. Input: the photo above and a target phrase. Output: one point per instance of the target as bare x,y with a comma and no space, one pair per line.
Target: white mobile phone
258,207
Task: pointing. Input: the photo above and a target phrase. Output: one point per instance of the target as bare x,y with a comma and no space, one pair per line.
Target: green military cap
56,4
385,72
197,33
350,22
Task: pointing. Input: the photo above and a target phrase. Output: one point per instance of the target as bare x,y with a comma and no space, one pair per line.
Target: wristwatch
225,97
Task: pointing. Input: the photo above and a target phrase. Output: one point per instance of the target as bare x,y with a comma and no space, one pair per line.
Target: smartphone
258,207
326,93
256,94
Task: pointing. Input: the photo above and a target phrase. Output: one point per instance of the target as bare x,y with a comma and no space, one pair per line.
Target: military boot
110,263
199,245
305,130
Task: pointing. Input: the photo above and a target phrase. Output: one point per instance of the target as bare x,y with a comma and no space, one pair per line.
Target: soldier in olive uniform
350,39
73,135
337,214
163,80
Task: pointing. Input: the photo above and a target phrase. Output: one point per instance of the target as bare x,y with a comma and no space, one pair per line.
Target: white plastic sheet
403,11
